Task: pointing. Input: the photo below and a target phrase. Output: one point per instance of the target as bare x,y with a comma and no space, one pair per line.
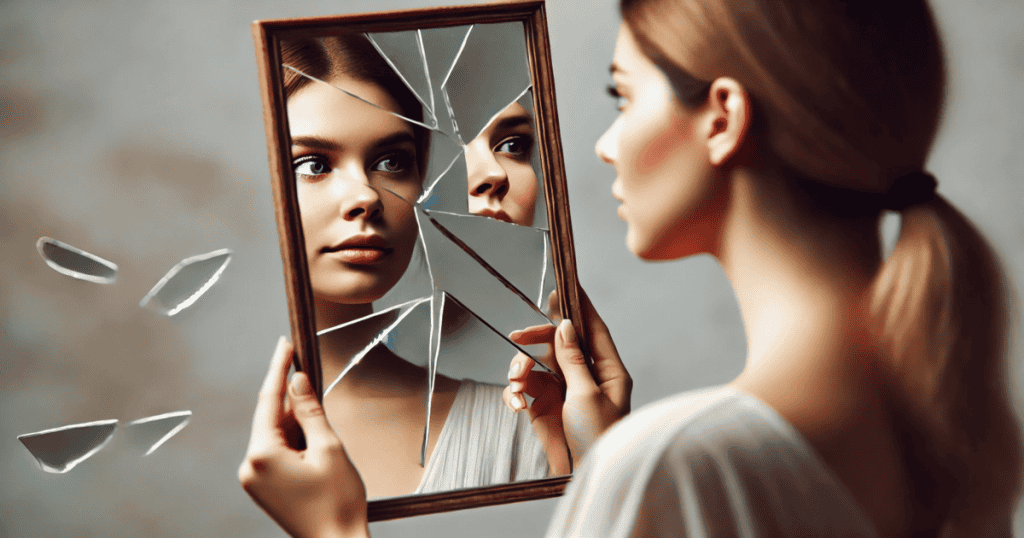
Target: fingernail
518,402
300,385
568,332
517,386
514,370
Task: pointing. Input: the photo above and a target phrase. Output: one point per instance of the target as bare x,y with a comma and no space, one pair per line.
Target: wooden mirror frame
268,35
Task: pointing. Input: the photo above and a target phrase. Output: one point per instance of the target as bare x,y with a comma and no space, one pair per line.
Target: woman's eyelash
311,161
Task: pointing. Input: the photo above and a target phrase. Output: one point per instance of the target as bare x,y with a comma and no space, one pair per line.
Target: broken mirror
415,211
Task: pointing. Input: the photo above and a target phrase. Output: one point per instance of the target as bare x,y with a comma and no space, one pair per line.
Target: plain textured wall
134,130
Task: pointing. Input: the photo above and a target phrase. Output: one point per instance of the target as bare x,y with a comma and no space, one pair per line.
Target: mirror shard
75,262
150,433
58,450
186,282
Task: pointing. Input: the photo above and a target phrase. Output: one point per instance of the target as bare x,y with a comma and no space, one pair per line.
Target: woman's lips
360,256
360,250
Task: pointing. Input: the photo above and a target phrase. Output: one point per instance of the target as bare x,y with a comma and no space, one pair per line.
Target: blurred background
134,131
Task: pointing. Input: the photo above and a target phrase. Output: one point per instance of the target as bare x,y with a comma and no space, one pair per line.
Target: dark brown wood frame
531,13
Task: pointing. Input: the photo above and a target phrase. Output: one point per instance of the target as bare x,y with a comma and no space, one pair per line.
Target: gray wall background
134,130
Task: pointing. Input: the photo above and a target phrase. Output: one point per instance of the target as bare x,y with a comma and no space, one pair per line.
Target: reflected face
502,183
663,174
356,174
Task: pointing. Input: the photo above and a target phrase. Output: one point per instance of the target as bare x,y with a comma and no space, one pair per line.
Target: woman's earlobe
729,107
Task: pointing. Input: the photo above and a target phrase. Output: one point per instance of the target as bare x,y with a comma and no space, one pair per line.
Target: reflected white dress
483,443
710,463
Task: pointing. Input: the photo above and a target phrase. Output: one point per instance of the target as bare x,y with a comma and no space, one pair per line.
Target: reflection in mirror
58,450
418,270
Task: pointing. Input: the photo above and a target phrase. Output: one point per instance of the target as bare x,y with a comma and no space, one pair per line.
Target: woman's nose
487,178
359,199
605,147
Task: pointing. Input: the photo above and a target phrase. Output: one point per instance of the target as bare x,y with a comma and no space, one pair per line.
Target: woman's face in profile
502,183
356,177
664,178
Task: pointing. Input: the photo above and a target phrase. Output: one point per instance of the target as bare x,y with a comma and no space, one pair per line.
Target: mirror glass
419,185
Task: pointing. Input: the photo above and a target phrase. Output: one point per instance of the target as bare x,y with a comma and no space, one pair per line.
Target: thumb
310,414
571,360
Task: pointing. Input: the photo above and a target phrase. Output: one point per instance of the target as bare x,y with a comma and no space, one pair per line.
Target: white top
483,443
709,463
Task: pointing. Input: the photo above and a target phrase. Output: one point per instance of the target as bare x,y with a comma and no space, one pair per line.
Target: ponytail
941,307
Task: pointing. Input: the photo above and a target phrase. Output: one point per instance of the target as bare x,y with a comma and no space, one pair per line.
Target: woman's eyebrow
316,142
395,140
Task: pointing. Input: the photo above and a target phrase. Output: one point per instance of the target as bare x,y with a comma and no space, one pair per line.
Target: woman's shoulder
714,459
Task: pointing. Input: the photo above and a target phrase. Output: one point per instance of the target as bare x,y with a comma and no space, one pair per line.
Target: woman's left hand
296,468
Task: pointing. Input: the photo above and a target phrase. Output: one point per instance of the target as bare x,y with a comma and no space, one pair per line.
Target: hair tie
909,190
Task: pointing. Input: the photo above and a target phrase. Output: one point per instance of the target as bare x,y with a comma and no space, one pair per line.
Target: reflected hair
848,95
353,56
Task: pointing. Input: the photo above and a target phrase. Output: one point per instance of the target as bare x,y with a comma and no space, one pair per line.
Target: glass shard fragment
343,347
152,432
403,51
448,192
75,262
490,73
481,288
58,450
186,282
519,255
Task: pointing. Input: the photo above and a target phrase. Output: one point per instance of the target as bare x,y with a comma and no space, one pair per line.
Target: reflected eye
620,101
516,146
394,163
311,166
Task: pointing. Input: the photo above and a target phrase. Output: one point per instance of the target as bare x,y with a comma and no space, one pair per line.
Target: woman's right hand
296,468
592,402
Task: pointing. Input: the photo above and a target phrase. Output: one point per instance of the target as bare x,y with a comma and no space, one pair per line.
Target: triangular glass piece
448,192
441,46
186,282
470,348
443,151
343,347
516,252
151,432
75,262
491,72
478,286
59,450
404,52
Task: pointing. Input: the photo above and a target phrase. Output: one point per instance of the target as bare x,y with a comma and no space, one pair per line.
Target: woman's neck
802,279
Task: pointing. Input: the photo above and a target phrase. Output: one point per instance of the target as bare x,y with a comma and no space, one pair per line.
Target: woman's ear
729,115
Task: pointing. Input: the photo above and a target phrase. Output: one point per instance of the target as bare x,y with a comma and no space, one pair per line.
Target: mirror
420,198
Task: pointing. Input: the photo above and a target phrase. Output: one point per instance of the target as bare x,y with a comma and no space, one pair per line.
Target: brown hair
848,95
352,55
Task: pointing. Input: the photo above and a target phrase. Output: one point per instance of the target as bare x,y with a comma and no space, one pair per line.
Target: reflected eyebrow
325,144
511,122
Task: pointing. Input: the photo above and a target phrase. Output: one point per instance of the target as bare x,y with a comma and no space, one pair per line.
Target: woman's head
358,166
842,94
501,180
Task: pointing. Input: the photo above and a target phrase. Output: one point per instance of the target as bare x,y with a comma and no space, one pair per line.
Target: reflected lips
499,215
361,250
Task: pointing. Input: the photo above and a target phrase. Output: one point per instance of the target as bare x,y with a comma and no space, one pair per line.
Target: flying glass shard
151,432
186,282
58,450
75,262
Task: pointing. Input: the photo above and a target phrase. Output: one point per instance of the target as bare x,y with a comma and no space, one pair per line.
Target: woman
772,136
356,182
